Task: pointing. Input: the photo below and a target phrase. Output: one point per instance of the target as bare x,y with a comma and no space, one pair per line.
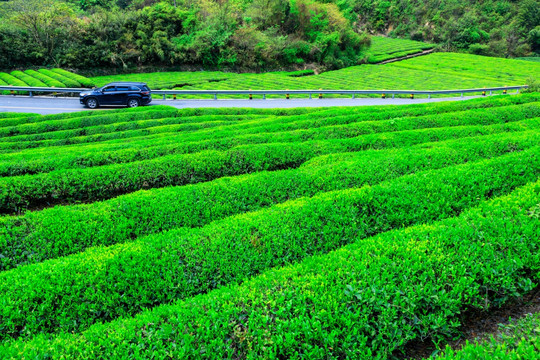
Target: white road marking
36,108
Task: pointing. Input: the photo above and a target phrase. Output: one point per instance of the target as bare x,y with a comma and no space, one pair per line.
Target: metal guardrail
353,93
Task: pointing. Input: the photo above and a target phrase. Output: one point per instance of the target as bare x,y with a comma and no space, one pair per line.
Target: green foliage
212,34
317,230
45,78
107,181
61,78
364,300
520,339
49,81
431,72
321,125
229,251
383,48
27,79
120,220
85,82
492,27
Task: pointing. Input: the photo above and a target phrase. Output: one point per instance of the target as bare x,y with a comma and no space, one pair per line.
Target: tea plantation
160,233
44,78
436,71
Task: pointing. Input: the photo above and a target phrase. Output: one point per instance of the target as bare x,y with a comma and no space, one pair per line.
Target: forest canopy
254,34
98,33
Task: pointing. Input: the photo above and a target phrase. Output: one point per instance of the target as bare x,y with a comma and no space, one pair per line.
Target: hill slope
252,34
431,72
327,232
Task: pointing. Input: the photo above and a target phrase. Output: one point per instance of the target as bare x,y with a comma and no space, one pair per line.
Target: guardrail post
163,96
30,94
392,96
461,94
309,96
429,96
264,96
353,95
517,91
490,93
215,96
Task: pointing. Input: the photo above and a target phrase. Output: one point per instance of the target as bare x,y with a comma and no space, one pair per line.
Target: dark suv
131,94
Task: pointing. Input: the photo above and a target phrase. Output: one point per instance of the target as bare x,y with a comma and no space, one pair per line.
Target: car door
121,95
107,95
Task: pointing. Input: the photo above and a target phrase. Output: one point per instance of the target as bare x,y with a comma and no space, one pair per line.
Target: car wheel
132,103
92,103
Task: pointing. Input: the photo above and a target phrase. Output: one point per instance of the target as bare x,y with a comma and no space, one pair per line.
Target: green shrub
29,80
49,81
280,124
11,80
366,299
104,182
184,263
70,83
49,233
84,81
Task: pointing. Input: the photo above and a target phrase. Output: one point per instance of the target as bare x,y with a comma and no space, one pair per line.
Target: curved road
50,105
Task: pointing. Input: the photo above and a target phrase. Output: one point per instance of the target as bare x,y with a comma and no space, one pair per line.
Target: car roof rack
126,83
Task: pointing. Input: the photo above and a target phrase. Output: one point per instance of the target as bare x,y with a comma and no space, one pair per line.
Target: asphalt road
50,105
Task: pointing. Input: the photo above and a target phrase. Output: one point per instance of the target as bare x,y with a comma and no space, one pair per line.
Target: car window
108,89
134,88
122,88
146,88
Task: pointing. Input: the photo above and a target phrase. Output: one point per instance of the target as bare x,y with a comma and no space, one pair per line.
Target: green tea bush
391,284
70,83
49,81
64,186
277,124
100,183
35,119
10,80
84,81
437,71
318,126
28,80
38,236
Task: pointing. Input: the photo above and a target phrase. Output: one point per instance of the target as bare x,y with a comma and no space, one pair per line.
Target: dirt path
479,325
425,52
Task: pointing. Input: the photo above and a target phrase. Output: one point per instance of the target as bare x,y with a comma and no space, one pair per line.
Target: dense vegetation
201,33
490,27
253,34
302,233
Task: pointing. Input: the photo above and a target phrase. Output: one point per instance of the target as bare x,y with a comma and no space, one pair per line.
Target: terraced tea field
242,233
45,78
436,71
383,48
